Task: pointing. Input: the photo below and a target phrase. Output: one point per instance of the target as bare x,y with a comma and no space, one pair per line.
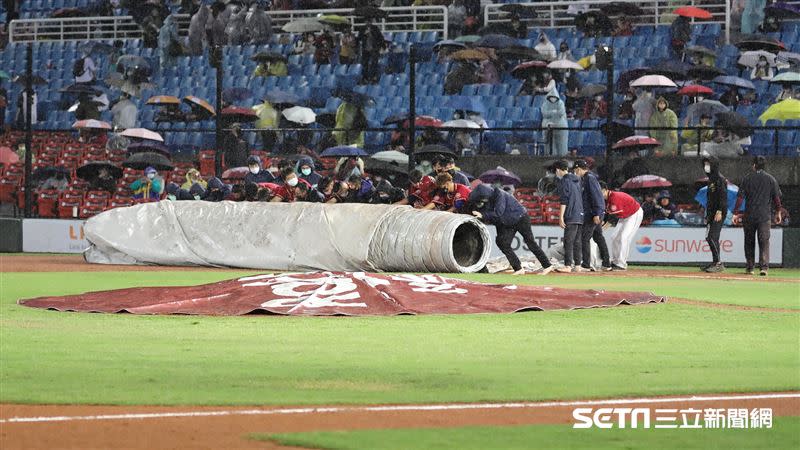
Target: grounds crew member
571,215
594,208
499,208
761,194
716,210
629,213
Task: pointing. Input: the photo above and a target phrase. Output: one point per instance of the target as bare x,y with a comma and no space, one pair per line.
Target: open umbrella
4,75
303,26
8,156
788,59
468,38
449,43
653,81
465,103
700,50
392,157
352,97
282,98
704,108
80,89
635,143
335,21
420,121
783,10
44,173
786,77
760,43
528,68
751,58
141,161
590,90
735,123
592,21
500,175
564,64
702,195
435,149
387,169
694,90
197,102
91,124
133,62
268,57
469,54
237,94
342,151
619,129
461,123
788,109
23,80
239,114
733,81
90,170
517,52
646,182
370,12
300,114
703,72
90,47
496,28
625,79
674,70
526,11
693,12
142,133
497,41
149,146
163,100
235,173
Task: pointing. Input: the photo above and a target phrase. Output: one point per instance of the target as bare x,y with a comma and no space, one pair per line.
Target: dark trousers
712,237
751,230
505,235
594,231
572,243
370,61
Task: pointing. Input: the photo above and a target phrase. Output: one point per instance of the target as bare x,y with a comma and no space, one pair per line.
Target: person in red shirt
420,192
293,188
450,196
627,210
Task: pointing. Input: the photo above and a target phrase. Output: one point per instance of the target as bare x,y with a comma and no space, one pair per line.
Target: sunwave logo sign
644,245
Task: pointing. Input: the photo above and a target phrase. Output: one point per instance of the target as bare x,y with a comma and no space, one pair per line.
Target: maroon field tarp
337,293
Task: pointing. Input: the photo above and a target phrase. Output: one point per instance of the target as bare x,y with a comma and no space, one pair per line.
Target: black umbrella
590,90
519,52
520,10
91,170
149,146
141,161
496,28
704,72
133,62
370,12
23,80
593,22
44,173
621,9
783,10
384,167
496,41
352,97
624,81
756,42
81,89
96,47
268,57
435,149
619,130
735,123
674,70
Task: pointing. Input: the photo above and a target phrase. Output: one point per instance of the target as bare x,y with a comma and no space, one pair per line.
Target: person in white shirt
89,69
124,112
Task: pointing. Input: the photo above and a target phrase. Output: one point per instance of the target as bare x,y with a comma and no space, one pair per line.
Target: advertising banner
660,245
53,236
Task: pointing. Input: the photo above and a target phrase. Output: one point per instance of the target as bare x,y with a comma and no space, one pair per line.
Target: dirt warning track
75,426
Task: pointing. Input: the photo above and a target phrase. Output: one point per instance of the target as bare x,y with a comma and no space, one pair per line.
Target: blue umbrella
733,191
733,81
465,104
343,150
496,41
449,43
278,97
237,94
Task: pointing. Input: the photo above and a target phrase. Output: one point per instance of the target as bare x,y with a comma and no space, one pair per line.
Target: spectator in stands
518,29
643,108
84,69
258,24
124,113
545,47
665,209
554,114
622,27
347,49
596,108
627,210
730,98
93,137
690,137
761,195
235,27
371,43
752,15
12,9
680,33
256,173
287,192
572,102
148,187
544,83
625,111
151,24
306,169
193,177
58,182
461,74
169,43
487,73
634,166
716,211
564,52
430,136
664,117
235,148
594,208
323,48
456,15
649,205
360,190
175,193
351,123
304,45
762,70
217,190
570,216
450,196
198,38
446,164
347,167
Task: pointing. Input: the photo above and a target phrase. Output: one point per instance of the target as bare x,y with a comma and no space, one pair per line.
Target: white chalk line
390,408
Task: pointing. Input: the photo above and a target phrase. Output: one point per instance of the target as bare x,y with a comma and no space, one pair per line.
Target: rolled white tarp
288,236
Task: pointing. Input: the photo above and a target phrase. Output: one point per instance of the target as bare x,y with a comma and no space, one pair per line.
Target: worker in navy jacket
570,215
499,208
594,208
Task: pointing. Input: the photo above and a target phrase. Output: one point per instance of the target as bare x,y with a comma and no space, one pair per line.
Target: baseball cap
581,164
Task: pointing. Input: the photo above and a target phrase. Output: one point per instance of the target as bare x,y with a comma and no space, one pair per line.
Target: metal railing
411,19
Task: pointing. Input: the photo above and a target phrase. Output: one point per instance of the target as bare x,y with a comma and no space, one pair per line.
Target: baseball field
506,381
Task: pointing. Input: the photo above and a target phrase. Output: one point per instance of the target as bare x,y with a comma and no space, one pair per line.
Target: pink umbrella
142,133
235,173
8,156
646,182
635,142
653,81
92,124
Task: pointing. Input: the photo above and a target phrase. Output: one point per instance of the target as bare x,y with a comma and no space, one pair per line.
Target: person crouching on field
450,196
627,210
497,207
570,217
716,210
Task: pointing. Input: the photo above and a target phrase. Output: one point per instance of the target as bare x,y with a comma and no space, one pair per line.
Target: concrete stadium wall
791,247
10,235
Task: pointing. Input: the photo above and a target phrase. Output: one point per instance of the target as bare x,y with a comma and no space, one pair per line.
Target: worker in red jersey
627,210
420,191
450,196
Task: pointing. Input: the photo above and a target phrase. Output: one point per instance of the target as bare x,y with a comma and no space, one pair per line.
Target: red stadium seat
8,185
87,211
69,208
48,203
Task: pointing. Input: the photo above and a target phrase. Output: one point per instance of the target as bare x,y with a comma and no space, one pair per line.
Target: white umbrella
653,81
750,59
391,156
565,64
461,123
142,133
303,26
300,114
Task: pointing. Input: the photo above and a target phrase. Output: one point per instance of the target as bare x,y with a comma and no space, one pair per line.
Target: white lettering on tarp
323,291
371,281
429,283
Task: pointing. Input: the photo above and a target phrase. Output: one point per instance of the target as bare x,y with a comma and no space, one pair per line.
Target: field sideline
737,334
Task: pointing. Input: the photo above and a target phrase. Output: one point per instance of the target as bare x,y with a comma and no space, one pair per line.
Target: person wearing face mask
287,192
193,177
545,47
256,174
420,190
360,190
762,70
197,191
564,52
554,114
596,108
217,190
716,210
450,196
148,187
446,164
690,136
625,110
570,217
57,181
545,84
518,29
175,193
305,168
349,166
476,117
643,108
664,117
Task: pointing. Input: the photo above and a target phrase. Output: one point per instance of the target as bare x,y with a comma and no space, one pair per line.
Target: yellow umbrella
784,110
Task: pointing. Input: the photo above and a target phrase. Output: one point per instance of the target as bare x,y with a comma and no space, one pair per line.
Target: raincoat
197,31
313,178
643,108
258,24
267,115
235,29
499,207
752,15
168,42
668,138
555,114
545,47
351,118
193,177
125,113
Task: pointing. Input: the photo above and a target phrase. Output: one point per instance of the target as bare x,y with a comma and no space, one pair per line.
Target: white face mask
197,197
273,170
707,168
292,182
151,175
306,171
171,197
254,169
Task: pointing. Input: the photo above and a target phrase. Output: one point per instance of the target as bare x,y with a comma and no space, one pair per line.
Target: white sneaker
547,270
564,269
580,269
519,272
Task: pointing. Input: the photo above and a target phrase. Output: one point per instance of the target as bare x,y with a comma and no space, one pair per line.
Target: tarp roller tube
289,236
